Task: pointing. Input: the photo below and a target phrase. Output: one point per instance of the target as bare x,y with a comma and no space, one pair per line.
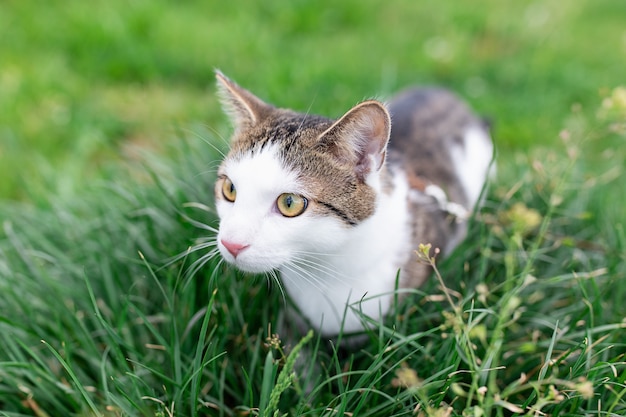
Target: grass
94,321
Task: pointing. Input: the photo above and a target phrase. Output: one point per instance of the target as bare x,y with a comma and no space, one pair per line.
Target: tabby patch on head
291,182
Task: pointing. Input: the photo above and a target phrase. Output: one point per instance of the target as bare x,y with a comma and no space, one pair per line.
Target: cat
339,207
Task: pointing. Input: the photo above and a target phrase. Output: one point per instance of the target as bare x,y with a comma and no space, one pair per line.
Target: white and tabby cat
338,207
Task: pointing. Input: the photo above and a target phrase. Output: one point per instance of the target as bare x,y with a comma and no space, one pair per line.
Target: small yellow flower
614,107
618,97
273,342
521,219
554,394
585,388
406,378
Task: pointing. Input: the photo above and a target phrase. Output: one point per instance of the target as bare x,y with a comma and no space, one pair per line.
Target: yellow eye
291,205
228,190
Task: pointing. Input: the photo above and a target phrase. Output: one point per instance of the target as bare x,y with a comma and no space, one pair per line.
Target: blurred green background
84,84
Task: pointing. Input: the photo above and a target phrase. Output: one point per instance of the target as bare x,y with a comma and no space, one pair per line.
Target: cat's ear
244,108
360,137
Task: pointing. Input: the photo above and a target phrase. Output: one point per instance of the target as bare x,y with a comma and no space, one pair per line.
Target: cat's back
437,138
431,112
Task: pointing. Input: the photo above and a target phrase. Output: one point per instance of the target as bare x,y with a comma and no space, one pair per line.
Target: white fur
365,265
253,218
472,162
451,207
324,263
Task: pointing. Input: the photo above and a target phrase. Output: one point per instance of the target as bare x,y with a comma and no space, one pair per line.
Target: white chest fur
360,275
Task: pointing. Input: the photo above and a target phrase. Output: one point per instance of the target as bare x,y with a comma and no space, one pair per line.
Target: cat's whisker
316,260
196,223
307,275
199,263
206,239
201,243
202,246
323,277
324,269
216,269
221,137
192,269
172,260
212,170
296,282
192,249
316,265
199,224
273,276
307,113
319,254
207,141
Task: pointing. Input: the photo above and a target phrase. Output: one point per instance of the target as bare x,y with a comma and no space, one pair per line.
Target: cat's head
294,184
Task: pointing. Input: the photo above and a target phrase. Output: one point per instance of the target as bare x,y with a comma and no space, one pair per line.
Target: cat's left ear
360,137
244,108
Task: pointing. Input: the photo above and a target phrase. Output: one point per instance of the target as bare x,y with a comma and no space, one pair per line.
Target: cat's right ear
360,137
244,108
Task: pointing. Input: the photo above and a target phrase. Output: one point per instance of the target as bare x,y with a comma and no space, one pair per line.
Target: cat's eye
228,190
291,205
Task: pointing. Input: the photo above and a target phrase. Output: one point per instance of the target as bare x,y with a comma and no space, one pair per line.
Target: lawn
109,134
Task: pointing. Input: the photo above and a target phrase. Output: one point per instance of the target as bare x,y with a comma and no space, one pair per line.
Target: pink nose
234,248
